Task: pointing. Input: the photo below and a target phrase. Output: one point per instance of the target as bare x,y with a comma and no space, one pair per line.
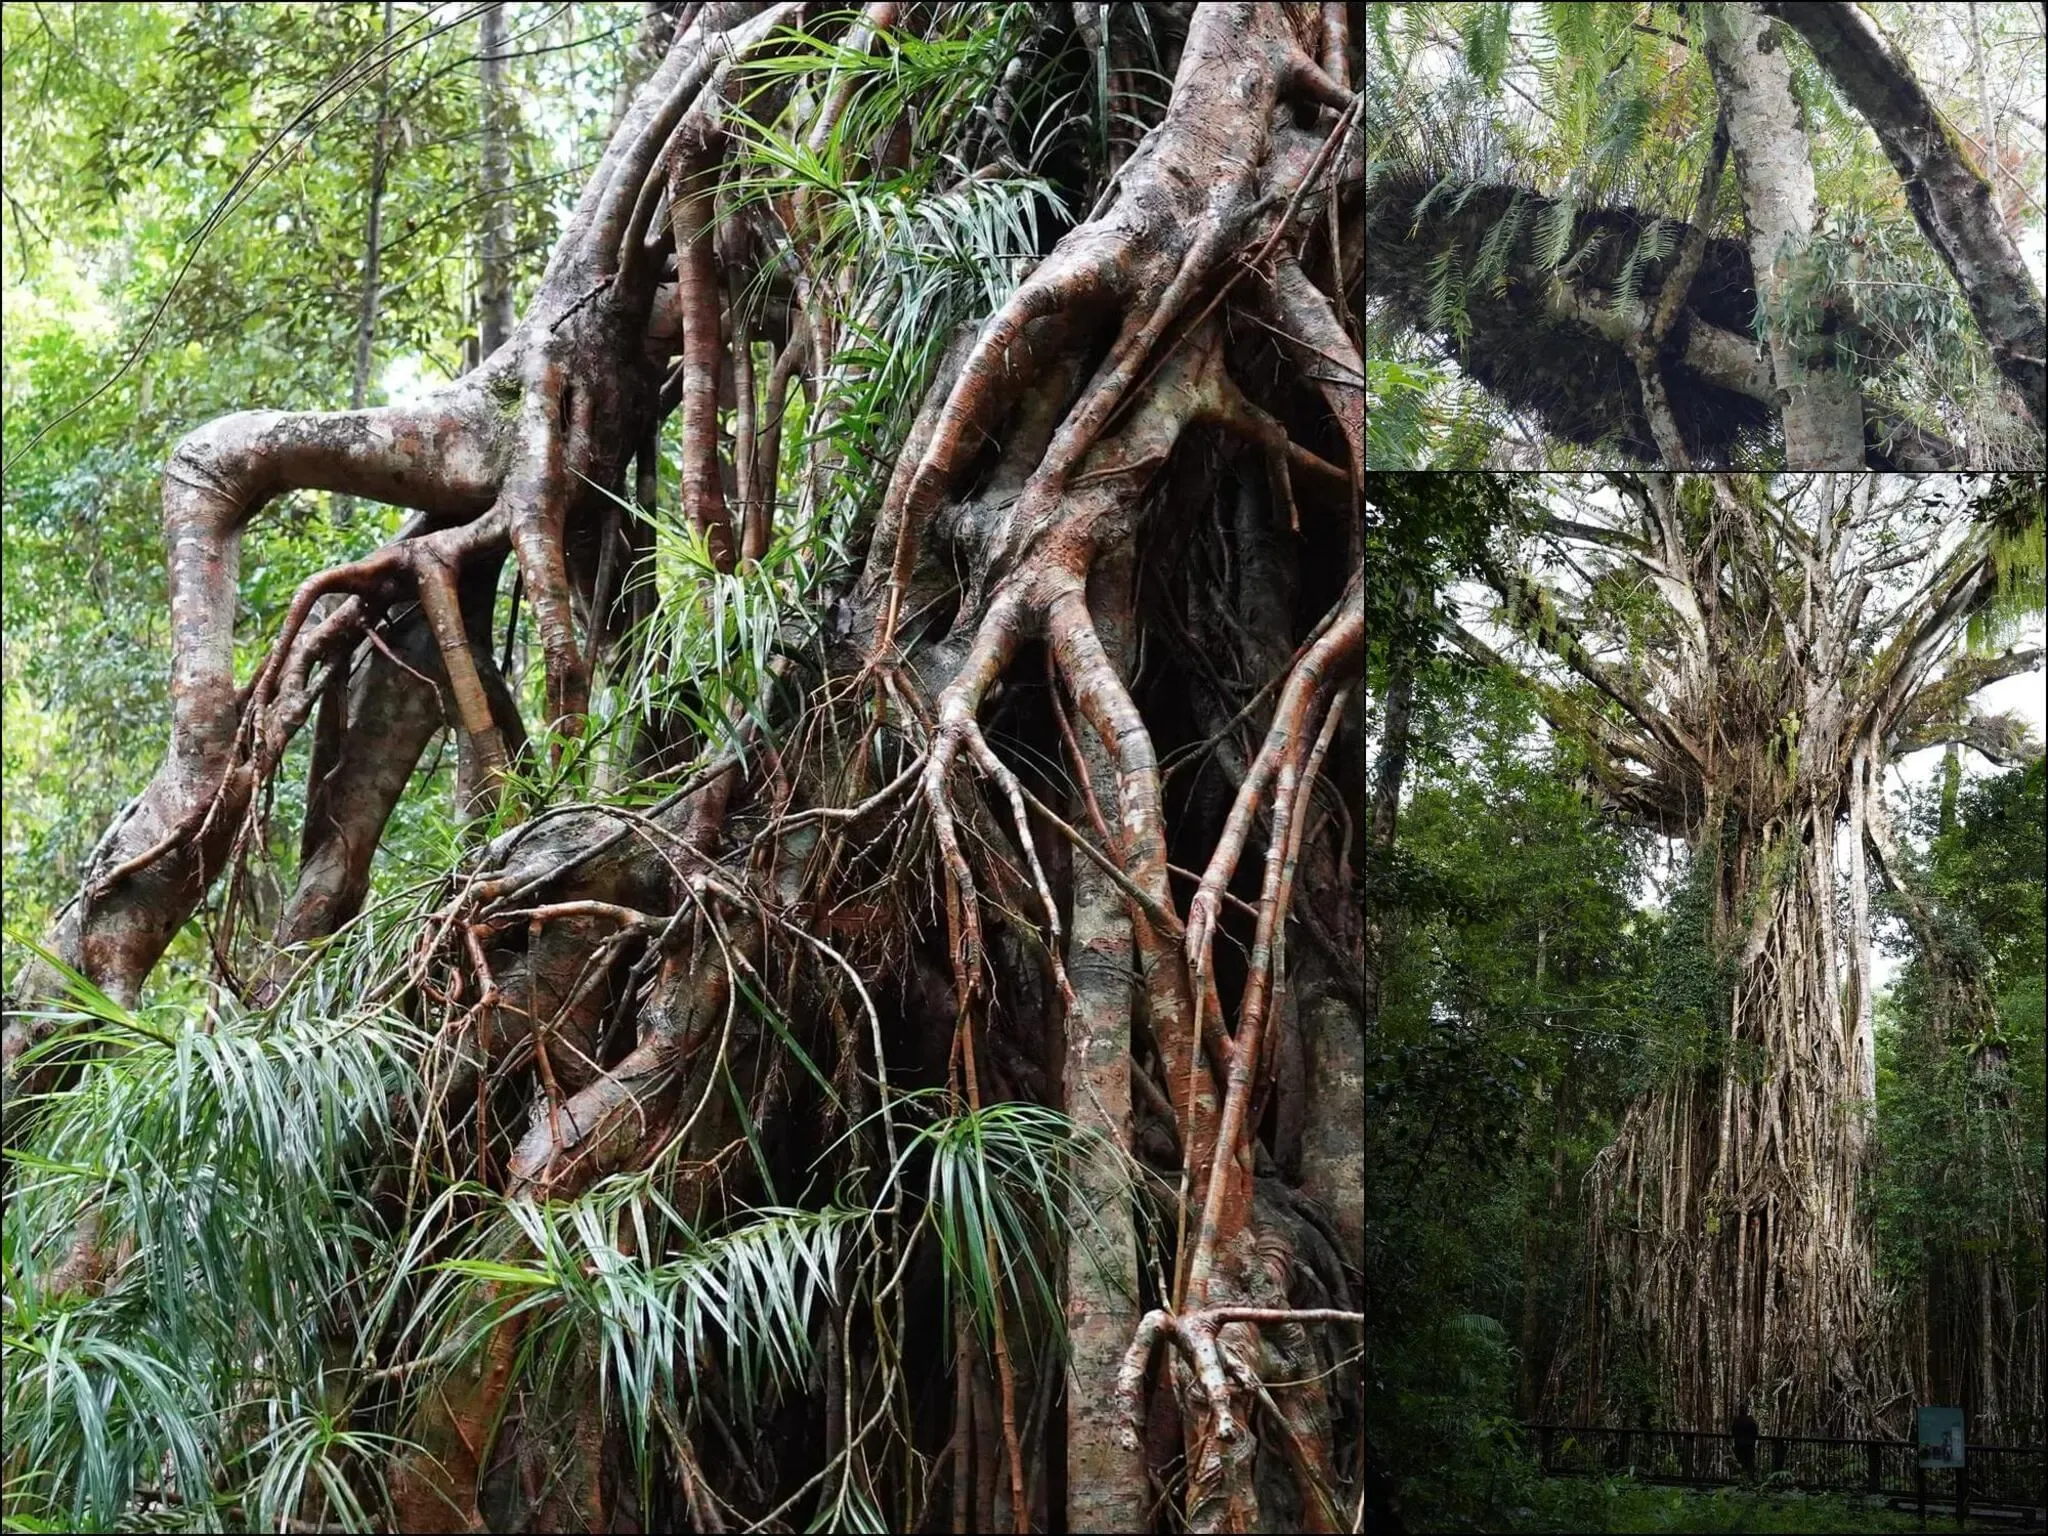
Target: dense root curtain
1729,1257
624,990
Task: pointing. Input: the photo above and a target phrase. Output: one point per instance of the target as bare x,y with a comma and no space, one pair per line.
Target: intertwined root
602,954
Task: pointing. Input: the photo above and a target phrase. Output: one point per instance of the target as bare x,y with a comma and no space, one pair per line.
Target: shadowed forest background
1580,1079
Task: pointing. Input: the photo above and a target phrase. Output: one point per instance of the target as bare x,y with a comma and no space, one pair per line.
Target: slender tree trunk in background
373,245
1534,1364
1821,405
1987,1346
1533,1230
494,321
1987,124
1386,807
1393,765
1105,1481
494,324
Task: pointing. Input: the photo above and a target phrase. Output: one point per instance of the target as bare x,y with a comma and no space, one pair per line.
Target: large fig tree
1739,658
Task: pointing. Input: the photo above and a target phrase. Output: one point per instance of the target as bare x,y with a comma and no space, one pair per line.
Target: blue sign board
1941,1437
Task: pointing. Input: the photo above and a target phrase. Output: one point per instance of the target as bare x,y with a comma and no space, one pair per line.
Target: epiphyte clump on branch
1473,263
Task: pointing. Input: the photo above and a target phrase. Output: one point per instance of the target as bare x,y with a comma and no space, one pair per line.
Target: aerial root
622,1117
1340,649
996,371
1107,706
994,644
692,171
1226,1208
556,420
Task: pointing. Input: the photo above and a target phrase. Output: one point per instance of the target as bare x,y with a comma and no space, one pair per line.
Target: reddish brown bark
600,963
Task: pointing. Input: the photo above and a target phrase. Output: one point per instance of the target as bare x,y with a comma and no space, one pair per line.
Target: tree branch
1896,673
1565,643
1939,712
1950,199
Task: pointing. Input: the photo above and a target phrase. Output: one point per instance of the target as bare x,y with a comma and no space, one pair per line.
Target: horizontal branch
2005,739
1731,361
1652,800
1940,712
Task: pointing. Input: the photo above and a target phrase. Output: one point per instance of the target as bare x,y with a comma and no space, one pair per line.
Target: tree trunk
1533,1373
1393,765
1386,807
494,320
373,246
1105,1481
1766,1171
1821,406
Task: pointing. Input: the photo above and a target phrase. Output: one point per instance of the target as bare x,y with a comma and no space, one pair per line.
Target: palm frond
209,1163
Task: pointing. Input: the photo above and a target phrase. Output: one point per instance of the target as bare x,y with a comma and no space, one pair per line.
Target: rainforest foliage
683,762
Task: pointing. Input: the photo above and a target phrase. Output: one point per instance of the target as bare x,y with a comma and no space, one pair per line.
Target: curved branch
1965,584
1939,712
2006,739
645,132
1950,199
1655,800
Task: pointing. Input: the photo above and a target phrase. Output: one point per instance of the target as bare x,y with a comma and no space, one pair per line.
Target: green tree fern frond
1490,269
1447,291
1485,33
1584,253
1554,233
1652,245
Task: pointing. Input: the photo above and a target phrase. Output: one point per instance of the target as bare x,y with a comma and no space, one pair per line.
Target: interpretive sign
1941,1437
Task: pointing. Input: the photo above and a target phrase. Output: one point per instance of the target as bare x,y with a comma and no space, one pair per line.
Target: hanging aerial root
692,172
1114,716
1226,1208
556,422
994,644
1340,650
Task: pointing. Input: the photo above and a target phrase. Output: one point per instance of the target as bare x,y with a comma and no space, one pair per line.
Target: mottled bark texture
1820,403
1114,568
1104,1491
1950,197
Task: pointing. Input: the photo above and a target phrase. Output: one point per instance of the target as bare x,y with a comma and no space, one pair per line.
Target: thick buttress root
599,966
